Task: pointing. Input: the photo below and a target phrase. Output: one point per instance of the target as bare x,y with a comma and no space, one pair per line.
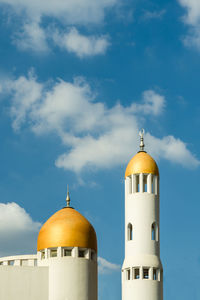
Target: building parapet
19,260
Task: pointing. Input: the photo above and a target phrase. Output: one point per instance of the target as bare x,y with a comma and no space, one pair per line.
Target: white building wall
71,277
23,283
75,278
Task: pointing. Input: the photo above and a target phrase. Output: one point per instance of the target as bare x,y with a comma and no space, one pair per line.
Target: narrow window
43,255
1,263
155,277
128,274
136,273
137,183
93,256
146,273
11,262
53,253
153,232
130,185
67,252
152,184
130,232
81,253
145,182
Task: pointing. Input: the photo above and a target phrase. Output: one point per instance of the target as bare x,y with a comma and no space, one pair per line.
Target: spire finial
141,134
68,198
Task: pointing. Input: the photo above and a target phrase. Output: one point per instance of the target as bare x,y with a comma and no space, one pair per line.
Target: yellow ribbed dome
142,162
67,228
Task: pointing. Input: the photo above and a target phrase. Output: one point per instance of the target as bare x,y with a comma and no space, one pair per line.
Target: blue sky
78,79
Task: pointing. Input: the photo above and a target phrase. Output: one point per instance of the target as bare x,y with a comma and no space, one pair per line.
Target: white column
156,185
149,183
151,273
17,262
141,273
134,188
31,262
75,252
59,252
46,253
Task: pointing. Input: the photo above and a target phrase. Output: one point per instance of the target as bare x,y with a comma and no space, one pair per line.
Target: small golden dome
142,162
67,228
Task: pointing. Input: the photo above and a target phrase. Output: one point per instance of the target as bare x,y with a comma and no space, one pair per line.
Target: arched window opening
154,232
137,183
153,184
145,182
130,232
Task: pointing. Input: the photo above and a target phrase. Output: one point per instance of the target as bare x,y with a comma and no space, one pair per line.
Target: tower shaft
142,272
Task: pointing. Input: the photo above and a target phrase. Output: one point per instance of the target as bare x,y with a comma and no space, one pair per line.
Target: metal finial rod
68,198
141,134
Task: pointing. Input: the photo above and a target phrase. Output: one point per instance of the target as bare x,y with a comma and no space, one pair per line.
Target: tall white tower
142,272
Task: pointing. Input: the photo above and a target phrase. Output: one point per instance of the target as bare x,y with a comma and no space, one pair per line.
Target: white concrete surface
23,283
71,278
142,252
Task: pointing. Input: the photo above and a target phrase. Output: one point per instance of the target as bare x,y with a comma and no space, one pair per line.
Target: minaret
142,272
67,245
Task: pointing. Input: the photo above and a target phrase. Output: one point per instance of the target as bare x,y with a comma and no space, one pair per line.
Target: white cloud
171,149
193,11
152,103
105,266
31,37
32,34
69,12
95,136
79,44
25,92
192,18
18,232
193,38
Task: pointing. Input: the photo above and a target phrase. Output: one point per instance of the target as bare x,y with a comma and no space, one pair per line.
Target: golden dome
67,228
142,162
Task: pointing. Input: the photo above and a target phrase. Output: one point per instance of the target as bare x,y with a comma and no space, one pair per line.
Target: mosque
65,266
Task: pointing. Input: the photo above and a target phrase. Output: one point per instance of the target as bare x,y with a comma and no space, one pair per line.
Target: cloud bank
18,232
95,136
